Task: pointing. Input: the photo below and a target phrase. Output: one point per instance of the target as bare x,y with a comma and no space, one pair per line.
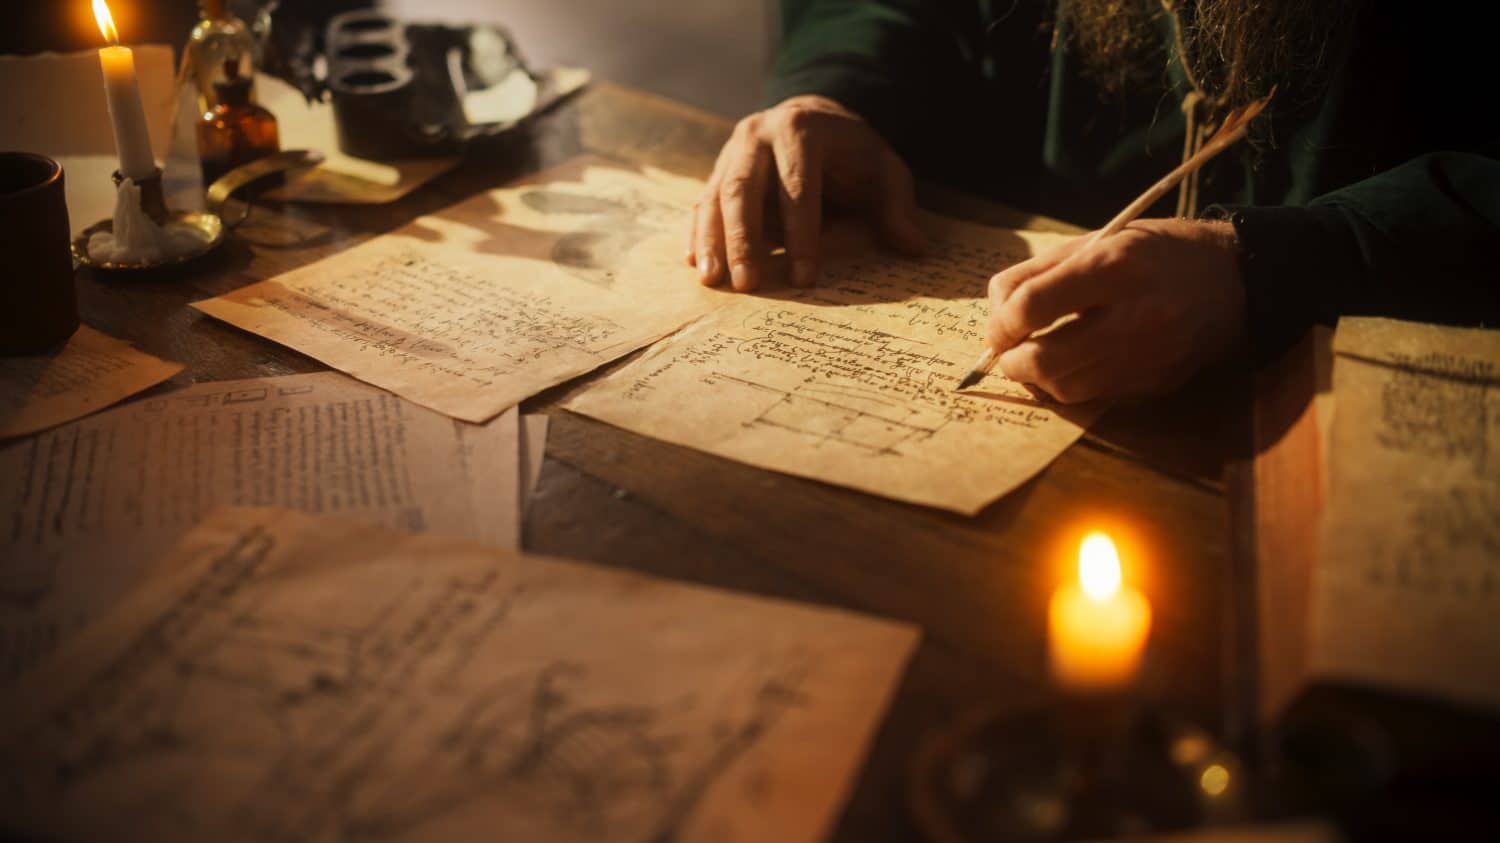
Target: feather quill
1234,127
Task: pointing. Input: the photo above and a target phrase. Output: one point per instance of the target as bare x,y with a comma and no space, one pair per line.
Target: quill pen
1235,124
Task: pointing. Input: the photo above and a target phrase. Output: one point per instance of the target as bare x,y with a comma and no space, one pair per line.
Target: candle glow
106,22
1097,626
1099,566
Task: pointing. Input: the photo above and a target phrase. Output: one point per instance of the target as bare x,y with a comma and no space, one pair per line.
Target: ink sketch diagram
458,699
478,306
1442,409
853,382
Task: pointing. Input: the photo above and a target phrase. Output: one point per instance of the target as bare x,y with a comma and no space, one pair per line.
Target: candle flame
106,22
1099,566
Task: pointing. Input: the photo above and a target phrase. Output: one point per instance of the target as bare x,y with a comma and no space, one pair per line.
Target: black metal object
397,87
375,101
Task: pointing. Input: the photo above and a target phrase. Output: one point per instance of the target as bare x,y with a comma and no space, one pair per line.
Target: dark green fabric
1339,198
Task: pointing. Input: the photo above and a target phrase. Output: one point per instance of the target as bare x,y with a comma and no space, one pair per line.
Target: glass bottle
236,131
218,40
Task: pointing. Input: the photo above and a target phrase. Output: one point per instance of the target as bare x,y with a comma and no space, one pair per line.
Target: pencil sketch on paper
260,699
474,308
1439,408
93,503
1408,580
853,382
1444,529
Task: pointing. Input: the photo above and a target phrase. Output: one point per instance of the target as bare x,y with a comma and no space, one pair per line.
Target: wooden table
976,586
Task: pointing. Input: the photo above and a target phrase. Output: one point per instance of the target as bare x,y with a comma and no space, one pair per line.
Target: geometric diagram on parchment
607,230
324,705
597,768
826,412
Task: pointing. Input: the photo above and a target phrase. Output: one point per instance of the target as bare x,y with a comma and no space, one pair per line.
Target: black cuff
1293,260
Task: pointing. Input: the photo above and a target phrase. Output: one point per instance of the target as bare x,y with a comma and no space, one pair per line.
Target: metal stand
1080,769
153,202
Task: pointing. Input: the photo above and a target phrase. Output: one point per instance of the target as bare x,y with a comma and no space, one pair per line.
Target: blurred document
90,372
485,303
291,677
1408,588
92,503
852,382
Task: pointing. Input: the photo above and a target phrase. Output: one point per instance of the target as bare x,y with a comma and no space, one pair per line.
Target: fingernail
708,268
804,272
741,277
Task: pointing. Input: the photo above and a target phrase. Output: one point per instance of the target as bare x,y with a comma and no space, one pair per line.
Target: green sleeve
897,63
1420,241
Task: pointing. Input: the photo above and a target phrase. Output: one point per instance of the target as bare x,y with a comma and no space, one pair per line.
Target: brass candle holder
1085,767
208,228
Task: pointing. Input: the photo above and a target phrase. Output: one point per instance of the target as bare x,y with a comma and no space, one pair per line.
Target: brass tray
209,225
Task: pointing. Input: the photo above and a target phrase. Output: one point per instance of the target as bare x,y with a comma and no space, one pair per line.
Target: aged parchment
489,301
89,373
290,677
91,504
1408,588
852,383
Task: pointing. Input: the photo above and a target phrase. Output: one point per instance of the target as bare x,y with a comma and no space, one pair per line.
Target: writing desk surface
978,587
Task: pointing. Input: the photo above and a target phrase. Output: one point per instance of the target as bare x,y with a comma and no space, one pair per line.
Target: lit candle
1097,628
132,140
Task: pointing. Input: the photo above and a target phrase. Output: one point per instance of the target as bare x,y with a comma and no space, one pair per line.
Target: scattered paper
89,373
533,454
1408,587
853,382
475,308
92,503
288,677
340,178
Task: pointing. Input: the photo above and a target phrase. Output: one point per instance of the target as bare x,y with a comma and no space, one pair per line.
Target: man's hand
787,162
1157,302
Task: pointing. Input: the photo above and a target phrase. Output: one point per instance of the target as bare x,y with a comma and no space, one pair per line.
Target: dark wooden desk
977,587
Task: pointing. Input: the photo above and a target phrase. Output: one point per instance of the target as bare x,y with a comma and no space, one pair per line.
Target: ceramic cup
38,304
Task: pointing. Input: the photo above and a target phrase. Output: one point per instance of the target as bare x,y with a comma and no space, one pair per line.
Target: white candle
123,92
1097,627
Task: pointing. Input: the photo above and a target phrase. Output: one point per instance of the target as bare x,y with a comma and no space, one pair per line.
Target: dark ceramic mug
38,305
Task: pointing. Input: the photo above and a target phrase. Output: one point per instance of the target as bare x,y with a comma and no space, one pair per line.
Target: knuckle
794,182
1026,304
737,242
1000,286
799,122
735,189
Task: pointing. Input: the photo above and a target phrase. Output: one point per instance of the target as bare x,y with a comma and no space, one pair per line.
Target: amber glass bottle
236,131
